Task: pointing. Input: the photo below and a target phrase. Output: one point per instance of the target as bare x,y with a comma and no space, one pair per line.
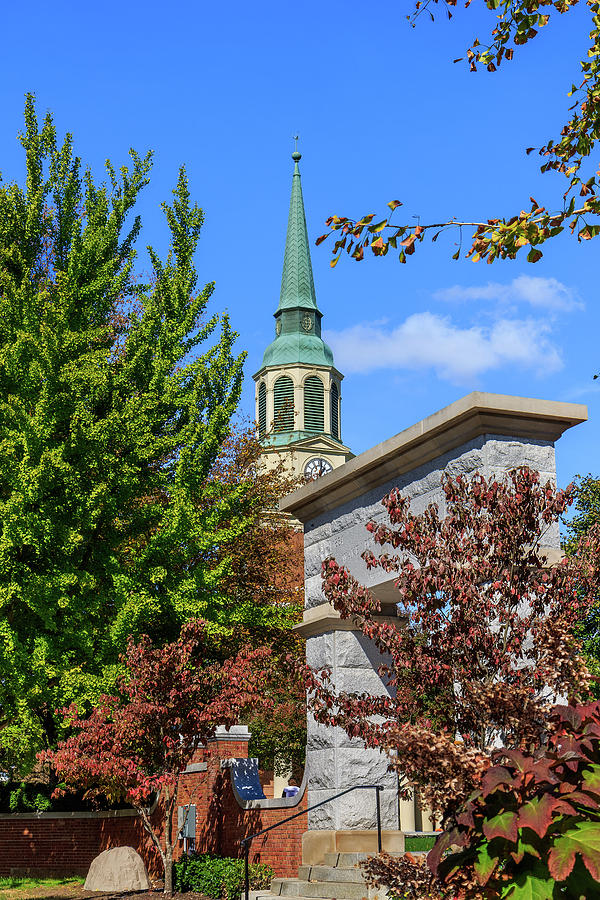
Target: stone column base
316,843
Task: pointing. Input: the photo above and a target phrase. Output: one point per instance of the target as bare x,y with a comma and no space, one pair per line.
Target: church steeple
298,388
297,284
297,318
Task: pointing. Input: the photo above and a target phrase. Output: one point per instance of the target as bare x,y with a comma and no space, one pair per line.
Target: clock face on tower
316,467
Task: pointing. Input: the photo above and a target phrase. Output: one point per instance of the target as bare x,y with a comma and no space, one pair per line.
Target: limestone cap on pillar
472,416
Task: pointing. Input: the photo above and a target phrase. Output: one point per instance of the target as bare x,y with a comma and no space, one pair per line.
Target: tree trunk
168,868
170,806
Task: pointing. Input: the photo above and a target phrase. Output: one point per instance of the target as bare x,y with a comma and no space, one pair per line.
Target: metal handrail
245,842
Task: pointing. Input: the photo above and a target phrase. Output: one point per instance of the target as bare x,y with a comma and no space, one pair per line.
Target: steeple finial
296,156
297,285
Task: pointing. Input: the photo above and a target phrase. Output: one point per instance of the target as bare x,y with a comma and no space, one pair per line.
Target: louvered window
284,404
262,409
314,405
335,411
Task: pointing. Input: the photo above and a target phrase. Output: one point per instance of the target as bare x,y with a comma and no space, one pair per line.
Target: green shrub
220,877
24,798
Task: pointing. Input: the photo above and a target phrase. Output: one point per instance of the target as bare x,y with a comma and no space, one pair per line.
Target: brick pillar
226,744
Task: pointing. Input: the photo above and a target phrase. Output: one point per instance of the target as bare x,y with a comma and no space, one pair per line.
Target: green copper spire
298,318
297,285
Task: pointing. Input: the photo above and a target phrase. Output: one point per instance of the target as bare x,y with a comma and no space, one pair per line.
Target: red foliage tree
484,643
533,829
170,700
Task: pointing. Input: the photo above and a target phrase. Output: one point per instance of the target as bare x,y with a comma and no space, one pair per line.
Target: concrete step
268,895
331,873
341,878
288,887
348,860
320,890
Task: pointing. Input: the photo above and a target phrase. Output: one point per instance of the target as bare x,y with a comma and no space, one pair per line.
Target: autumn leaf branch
501,238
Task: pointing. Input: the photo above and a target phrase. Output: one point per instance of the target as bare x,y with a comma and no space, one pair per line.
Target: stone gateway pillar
486,433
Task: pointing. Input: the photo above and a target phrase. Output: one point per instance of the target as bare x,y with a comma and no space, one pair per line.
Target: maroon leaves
537,813
503,825
170,700
534,816
584,840
487,633
493,778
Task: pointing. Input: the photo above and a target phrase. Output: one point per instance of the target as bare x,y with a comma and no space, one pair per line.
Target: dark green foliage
115,400
24,797
31,795
586,515
283,746
220,877
586,511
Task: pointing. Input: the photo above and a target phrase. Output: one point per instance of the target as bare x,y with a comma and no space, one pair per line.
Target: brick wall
55,844
50,844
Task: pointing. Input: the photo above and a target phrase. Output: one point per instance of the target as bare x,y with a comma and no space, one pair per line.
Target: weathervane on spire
296,155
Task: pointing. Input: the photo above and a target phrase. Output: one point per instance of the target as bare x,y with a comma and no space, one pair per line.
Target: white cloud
542,293
428,341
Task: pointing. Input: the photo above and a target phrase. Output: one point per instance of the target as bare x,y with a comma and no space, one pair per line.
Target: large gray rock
119,869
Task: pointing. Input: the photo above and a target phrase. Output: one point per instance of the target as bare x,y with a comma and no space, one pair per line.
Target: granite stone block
357,810
354,650
321,766
360,681
361,765
320,737
320,650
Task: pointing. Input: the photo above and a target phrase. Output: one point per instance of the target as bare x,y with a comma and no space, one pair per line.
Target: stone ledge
195,767
235,733
83,814
317,842
470,417
324,617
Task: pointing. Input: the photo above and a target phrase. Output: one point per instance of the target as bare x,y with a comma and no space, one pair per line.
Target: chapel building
298,388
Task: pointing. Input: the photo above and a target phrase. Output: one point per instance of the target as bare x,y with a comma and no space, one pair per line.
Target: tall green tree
115,400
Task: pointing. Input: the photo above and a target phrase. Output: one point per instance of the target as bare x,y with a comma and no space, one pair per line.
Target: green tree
586,511
115,400
516,22
586,514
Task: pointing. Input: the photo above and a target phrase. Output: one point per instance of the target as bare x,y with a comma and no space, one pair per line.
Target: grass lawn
414,844
15,888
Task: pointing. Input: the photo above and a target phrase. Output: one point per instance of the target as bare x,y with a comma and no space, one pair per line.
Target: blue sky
382,113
